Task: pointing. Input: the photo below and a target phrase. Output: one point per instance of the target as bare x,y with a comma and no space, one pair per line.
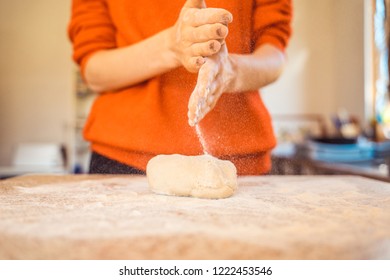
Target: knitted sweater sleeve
90,29
272,23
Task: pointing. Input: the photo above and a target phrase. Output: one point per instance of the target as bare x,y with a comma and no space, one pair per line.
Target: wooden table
270,217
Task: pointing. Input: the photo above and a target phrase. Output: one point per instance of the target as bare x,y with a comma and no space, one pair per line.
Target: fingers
192,108
205,95
205,49
195,4
193,64
197,54
207,41
207,32
199,32
207,16
199,107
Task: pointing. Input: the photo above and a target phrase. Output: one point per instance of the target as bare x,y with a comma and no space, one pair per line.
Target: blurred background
329,108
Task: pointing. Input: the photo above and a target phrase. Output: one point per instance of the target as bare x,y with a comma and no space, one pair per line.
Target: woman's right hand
199,32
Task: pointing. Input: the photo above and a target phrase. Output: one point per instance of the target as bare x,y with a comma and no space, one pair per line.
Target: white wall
325,69
36,83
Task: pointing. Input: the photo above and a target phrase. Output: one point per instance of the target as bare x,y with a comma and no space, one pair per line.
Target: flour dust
201,139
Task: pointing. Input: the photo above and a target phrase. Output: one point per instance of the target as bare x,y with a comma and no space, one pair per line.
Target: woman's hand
198,33
233,73
215,77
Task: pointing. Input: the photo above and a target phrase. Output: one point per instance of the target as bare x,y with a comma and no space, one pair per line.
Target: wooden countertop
270,217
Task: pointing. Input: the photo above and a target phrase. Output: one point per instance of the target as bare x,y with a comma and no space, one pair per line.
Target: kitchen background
44,103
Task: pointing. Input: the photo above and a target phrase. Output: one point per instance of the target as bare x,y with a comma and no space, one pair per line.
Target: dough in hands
198,176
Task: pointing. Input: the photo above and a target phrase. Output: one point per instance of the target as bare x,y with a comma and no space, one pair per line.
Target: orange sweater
137,123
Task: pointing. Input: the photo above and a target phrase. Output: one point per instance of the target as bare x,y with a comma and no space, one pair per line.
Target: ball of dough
198,176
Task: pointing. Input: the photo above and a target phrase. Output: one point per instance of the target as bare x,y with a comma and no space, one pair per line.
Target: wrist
170,47
231,81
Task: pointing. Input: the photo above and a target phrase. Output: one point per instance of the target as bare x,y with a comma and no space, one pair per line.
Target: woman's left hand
214,78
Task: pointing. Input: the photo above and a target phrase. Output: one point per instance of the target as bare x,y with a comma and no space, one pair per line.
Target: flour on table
198,176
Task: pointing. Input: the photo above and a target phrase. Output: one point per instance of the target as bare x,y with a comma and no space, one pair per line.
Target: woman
162,67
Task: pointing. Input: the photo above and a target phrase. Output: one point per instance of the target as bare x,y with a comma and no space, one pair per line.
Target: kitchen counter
269,217
296,165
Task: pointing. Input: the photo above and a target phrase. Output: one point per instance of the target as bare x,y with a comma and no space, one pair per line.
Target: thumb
195,4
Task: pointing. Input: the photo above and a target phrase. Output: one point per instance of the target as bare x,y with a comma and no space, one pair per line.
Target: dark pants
102,165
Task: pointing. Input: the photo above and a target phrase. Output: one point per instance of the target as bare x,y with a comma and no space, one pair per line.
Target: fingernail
210,100
199,61
212,46
226,19
219,32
